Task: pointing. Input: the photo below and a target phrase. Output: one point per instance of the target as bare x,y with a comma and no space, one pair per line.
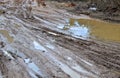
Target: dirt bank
111,14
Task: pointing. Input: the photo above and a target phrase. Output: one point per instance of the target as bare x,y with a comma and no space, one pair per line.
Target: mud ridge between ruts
3,67
100,53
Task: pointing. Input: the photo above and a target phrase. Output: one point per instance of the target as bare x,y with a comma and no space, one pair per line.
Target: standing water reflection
93,28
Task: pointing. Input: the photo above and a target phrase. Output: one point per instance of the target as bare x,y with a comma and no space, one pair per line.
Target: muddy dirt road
38,48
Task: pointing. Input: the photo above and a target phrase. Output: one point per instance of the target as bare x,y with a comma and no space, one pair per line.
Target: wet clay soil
47,46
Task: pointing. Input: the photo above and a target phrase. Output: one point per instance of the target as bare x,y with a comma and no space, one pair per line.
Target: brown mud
41,48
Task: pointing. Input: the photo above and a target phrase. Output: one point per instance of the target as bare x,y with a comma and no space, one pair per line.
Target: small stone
2,44
43,51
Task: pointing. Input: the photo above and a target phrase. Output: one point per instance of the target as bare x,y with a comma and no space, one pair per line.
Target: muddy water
95,29
5,33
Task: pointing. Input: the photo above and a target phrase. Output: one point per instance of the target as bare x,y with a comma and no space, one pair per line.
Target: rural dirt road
38,48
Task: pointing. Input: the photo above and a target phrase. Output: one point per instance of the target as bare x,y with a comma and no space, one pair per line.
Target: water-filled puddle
50,46
91,28
33,66
38,46
5,33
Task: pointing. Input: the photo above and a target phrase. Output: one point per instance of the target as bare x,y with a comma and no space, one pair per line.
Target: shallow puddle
33,66
95,29
80,69
38,46
50,46
5,33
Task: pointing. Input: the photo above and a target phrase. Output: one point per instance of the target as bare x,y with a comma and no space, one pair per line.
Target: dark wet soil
81,7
